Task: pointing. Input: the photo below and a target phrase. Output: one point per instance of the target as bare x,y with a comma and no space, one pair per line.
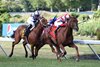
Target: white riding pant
57,23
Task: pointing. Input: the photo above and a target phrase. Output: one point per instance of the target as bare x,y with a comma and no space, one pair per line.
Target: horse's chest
68,39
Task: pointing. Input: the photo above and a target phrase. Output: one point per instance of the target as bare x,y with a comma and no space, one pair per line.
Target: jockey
61,20
32,22
51,22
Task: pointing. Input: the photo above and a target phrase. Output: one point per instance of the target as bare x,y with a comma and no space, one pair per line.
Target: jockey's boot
26,35
57,29
27,31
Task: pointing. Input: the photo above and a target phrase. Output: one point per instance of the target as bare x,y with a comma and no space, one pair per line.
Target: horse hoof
77,59
63,54
65,57
10,55
33,58
59,59
26,56
30,56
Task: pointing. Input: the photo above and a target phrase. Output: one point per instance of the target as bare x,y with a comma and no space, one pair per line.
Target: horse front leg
24,45
58,54
32,51
53,49
77,51
62,50
38,47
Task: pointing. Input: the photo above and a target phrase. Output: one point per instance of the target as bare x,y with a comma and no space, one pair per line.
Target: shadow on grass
88,57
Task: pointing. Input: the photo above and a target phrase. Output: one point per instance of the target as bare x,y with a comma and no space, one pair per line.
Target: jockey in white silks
61,20
32,21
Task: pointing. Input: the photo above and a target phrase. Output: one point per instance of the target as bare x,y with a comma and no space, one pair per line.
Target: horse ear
76,15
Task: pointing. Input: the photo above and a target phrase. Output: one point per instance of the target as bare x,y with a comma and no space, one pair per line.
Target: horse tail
13,35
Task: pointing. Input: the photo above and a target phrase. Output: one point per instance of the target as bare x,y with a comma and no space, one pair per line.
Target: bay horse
18,34
32,38
46,39
64,37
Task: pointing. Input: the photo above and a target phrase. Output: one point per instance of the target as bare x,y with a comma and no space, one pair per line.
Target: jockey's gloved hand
48,24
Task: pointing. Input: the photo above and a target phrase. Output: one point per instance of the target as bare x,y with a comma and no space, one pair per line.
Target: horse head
43,21
73,23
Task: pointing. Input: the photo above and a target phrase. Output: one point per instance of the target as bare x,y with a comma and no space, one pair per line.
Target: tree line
49,5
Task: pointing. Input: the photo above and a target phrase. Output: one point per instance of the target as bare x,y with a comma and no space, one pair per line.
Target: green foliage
12,6
73,4
98,33
50,4
89,27
27,6
22,21
83,17
38,4
2,10
85,5
18,16
60,5
4,18
93,7
75,14
96,14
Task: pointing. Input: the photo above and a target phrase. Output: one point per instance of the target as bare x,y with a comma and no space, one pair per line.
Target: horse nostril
76,28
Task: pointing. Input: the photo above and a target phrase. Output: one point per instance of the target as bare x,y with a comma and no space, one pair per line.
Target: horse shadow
87,57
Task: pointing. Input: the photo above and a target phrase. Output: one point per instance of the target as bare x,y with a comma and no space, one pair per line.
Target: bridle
40,19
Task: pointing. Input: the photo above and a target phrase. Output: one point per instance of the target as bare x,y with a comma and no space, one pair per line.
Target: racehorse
46,39
32,38
18,34
64,37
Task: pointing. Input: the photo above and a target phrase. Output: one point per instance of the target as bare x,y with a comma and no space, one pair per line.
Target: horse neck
68,31
39,29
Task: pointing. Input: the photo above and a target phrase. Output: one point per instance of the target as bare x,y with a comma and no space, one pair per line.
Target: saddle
53,30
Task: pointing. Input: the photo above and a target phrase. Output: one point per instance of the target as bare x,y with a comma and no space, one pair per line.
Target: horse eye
67,19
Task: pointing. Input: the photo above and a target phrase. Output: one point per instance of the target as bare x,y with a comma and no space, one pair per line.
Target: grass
45,62
46,58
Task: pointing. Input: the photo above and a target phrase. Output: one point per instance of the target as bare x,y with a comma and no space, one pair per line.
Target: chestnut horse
46,39
65,35
32,38
64,38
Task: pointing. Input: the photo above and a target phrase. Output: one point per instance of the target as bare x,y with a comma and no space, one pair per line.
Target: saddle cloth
52,31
